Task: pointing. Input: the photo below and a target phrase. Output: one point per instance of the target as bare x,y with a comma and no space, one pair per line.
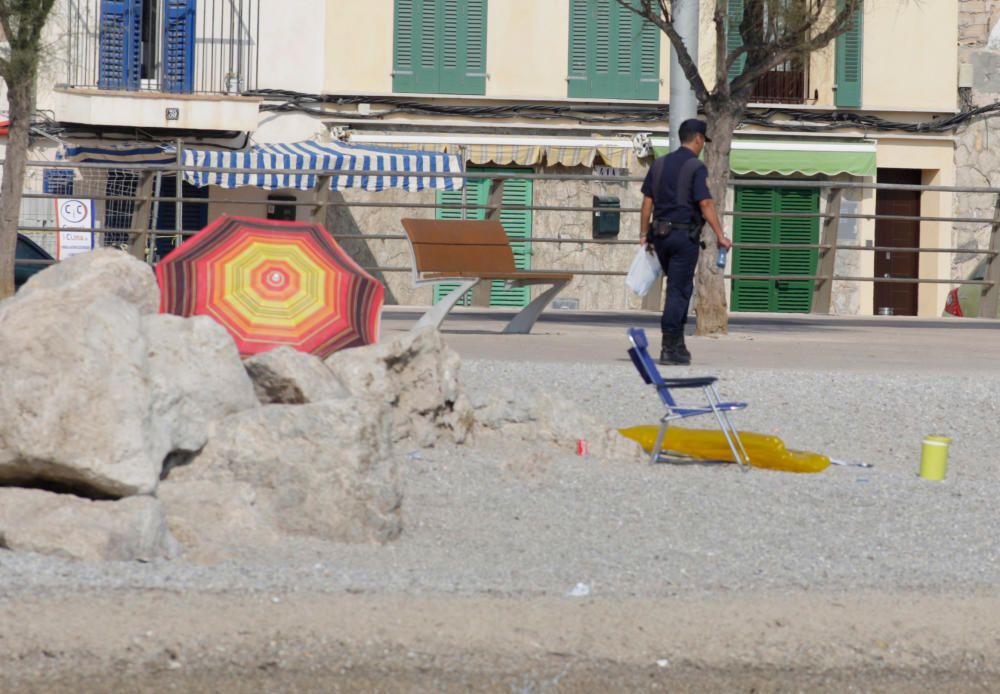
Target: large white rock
75,396
103,271
32,520
286,376
416,375
324,469
214,520
196,377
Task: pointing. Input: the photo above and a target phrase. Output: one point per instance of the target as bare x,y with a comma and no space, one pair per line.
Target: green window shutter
414,47
475,47
580,29
602,61
613,53
517,224
794,296
476,192
753,295
787,296
848,76
440,46
733,38
461,33
647,58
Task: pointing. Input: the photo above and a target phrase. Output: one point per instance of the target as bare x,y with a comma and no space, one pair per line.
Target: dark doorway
897,298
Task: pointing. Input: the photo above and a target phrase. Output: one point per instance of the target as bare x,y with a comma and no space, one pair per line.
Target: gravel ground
511,518
526,568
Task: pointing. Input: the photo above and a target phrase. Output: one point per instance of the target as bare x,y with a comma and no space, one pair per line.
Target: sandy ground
425,616
163,641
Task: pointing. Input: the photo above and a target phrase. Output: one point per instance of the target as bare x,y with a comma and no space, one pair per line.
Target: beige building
537,90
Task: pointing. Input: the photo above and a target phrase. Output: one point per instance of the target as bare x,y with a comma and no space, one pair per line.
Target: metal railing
129,205
203,47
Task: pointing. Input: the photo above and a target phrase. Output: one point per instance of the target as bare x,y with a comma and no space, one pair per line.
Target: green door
517,224
784,296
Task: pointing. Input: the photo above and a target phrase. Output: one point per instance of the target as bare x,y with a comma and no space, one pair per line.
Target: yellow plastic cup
934,457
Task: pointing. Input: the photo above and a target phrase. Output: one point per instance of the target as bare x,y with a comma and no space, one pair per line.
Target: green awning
798,157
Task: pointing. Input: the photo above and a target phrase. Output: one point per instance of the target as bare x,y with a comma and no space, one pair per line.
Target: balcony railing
179,46
785,84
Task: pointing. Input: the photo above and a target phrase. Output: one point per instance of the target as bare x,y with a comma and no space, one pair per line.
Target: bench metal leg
523,321
435,315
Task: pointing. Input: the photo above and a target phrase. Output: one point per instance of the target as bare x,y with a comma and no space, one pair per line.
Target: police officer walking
676,205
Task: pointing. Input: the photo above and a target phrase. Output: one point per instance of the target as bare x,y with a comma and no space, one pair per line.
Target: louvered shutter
734,40
787,296
473,78
849,54
613,53
795,296
580,29
647,58
58,182
753,295
517,224
603,60
119,44
440,46
476,193
178,45
415,46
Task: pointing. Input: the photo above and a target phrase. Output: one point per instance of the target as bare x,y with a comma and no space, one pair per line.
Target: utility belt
663,229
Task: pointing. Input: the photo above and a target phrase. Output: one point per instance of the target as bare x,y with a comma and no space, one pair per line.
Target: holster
663,229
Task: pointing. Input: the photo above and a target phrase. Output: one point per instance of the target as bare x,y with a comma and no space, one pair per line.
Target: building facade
577,89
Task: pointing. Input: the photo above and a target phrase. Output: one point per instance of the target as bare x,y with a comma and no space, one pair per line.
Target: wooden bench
470,252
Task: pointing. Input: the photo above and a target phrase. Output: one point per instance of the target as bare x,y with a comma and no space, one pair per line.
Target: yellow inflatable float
765,451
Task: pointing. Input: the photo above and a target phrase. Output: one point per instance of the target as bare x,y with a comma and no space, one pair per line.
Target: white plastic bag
643,272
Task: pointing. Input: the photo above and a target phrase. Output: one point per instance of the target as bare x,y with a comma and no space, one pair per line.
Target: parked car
28,250
963,300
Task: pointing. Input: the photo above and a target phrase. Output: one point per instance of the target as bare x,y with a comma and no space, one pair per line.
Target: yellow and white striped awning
527,151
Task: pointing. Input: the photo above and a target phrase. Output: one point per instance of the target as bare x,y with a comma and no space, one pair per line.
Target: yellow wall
910,54
359,46
527,58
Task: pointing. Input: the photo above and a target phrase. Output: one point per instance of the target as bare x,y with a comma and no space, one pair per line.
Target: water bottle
720,259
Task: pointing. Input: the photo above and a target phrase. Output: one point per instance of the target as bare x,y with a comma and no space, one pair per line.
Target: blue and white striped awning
277,166
150,154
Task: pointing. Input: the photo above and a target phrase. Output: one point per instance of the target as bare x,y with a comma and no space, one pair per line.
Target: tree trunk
20,96
710,304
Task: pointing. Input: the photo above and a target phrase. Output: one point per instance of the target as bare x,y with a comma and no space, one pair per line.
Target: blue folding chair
639,352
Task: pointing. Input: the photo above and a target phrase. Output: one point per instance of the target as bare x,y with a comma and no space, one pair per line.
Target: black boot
674,353
682,350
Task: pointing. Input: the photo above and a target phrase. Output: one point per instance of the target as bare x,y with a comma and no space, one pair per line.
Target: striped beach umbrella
273,283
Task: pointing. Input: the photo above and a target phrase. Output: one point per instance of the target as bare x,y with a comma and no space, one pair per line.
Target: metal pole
683,104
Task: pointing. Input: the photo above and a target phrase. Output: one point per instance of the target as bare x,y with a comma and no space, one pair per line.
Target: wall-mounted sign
75,221
610,171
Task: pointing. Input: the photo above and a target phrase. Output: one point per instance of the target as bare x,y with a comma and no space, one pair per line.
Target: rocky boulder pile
124,431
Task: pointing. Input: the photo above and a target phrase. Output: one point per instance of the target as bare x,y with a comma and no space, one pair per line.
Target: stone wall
586,292
977,144
563,240
590,292
389,253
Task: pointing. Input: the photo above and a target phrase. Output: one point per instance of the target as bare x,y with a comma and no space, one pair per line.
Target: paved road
798,342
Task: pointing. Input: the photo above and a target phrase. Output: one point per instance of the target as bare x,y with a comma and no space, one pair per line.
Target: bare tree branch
771,32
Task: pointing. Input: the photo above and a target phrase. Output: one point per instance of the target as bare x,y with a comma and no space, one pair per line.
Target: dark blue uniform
678,250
